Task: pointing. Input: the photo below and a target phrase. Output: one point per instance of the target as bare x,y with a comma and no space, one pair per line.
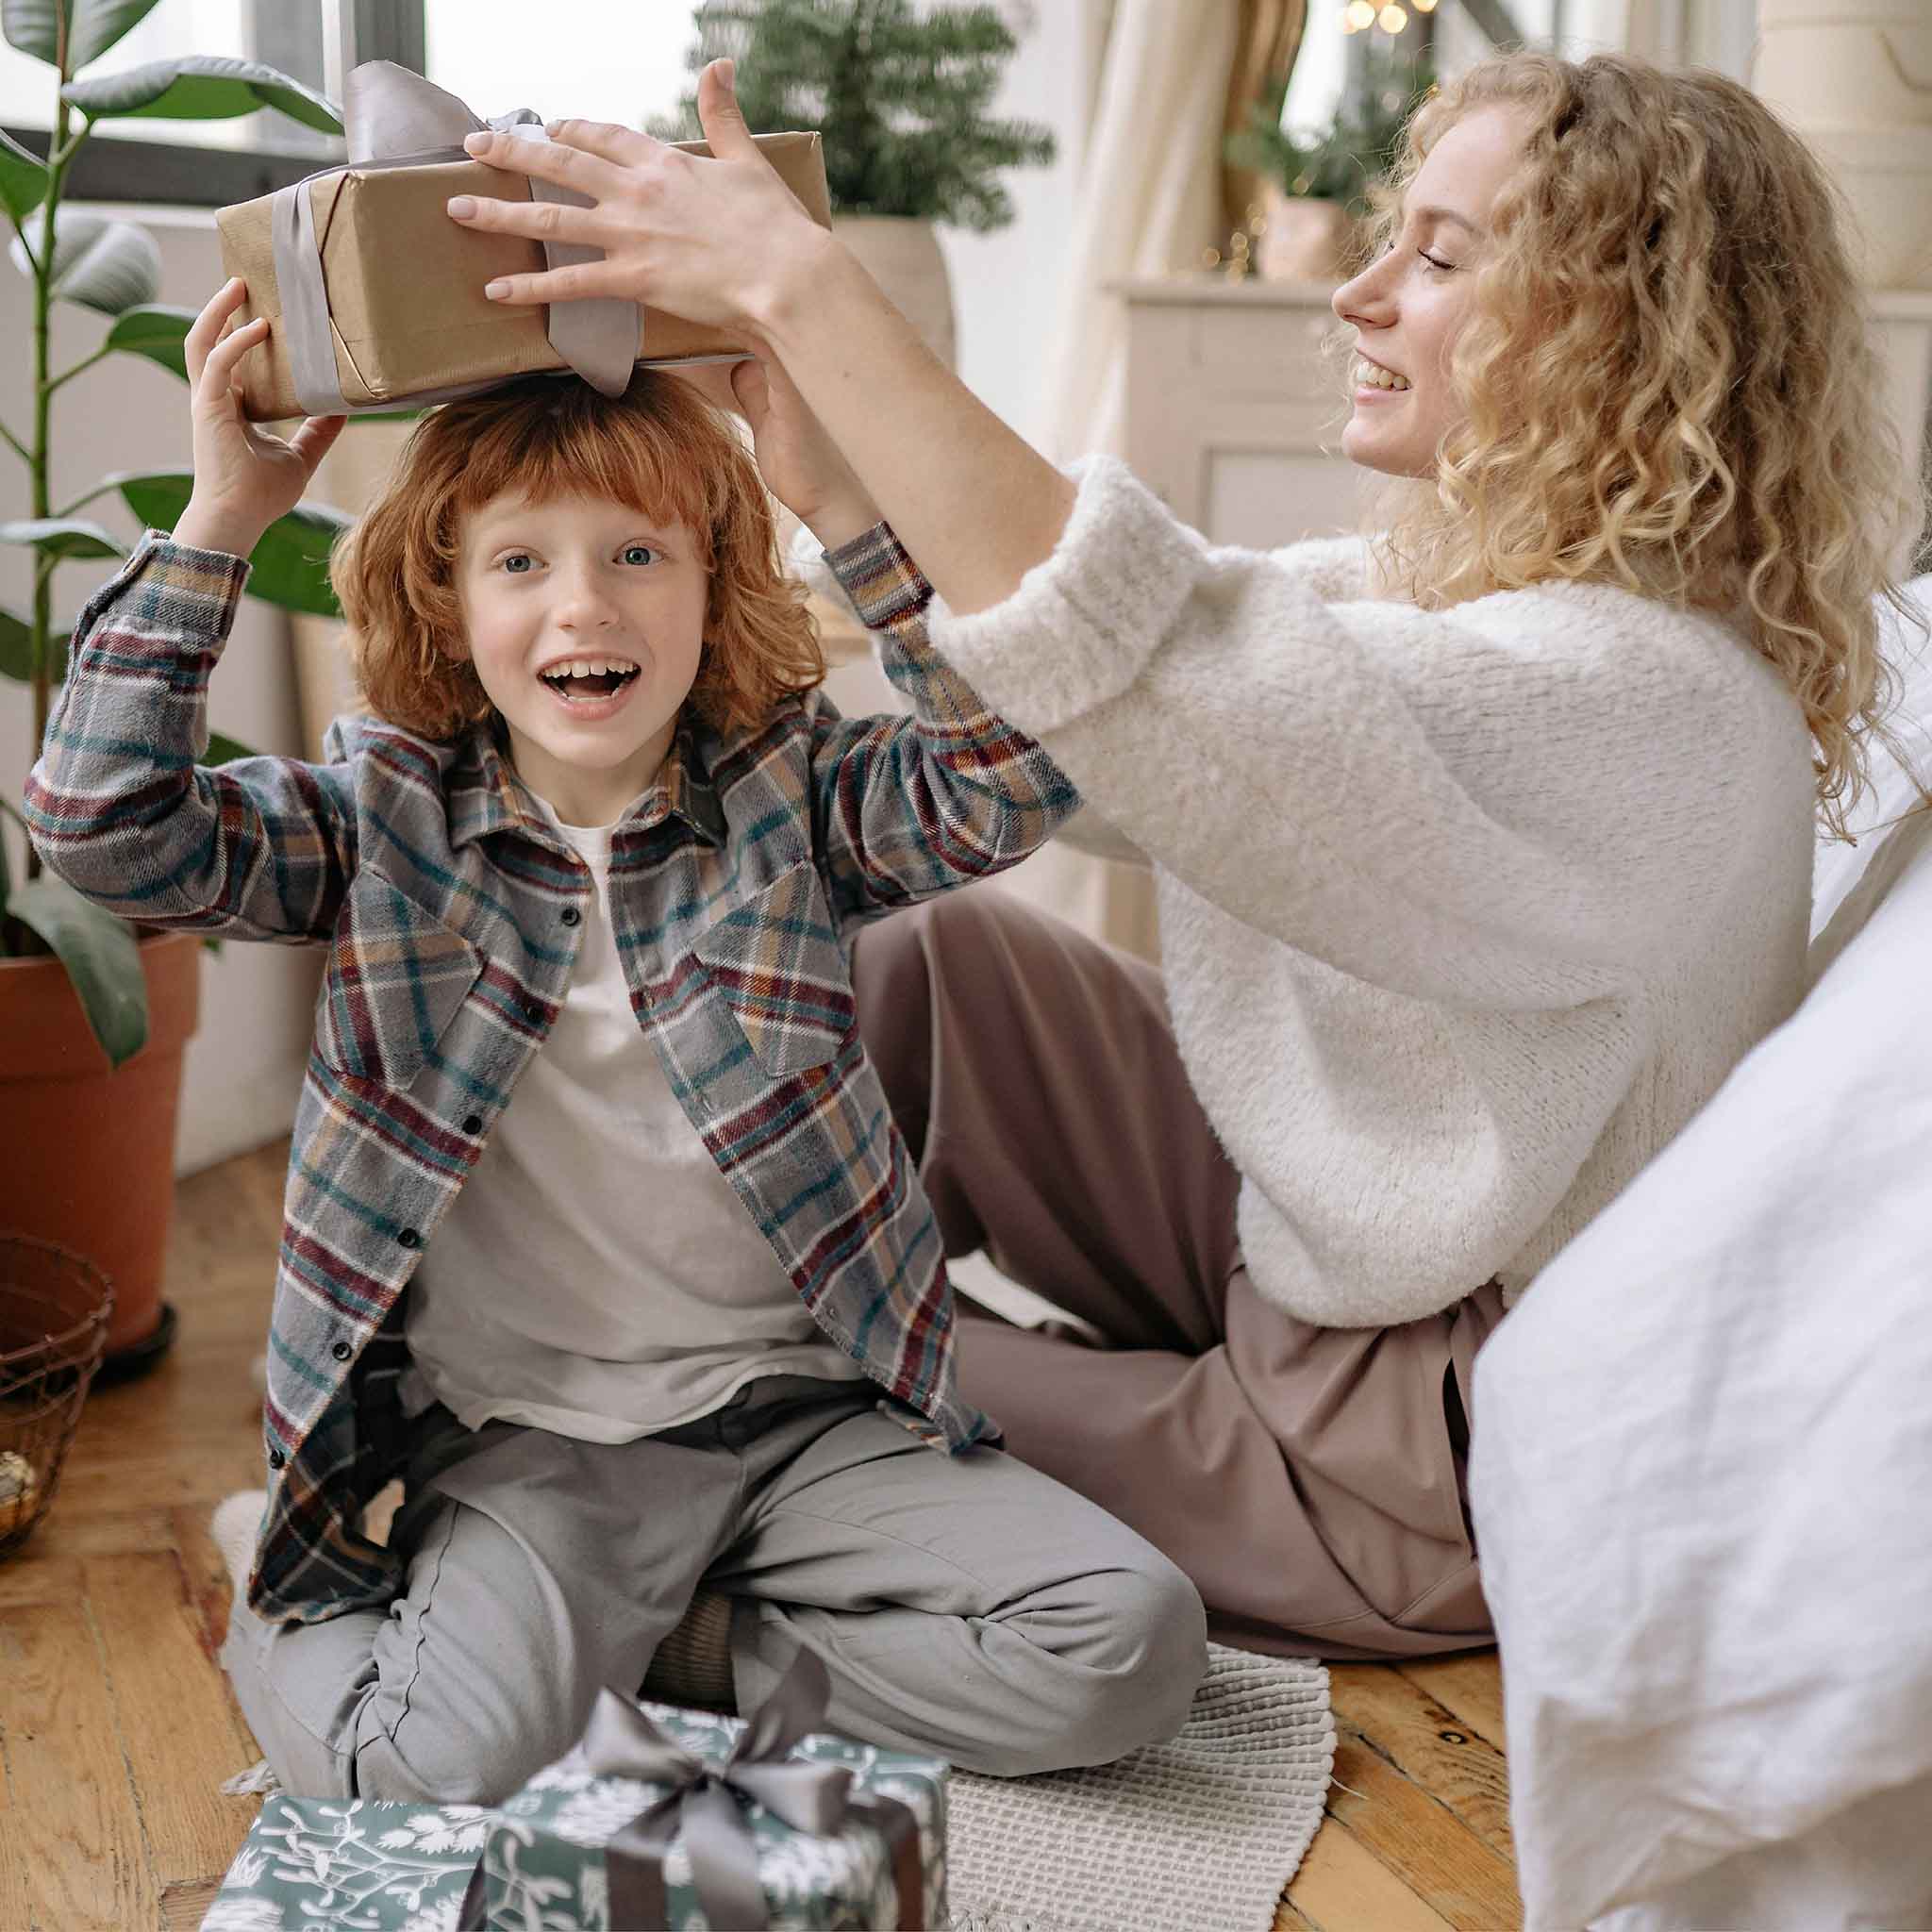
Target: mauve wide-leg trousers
1310,1480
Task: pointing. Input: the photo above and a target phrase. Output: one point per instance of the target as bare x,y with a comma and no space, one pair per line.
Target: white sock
234,1526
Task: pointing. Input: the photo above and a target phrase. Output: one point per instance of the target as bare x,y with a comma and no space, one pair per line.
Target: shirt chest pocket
777,963
396,976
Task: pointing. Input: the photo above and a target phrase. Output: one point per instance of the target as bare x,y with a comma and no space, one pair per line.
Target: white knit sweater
1463,914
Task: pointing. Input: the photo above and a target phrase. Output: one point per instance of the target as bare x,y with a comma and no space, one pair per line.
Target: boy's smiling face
585,620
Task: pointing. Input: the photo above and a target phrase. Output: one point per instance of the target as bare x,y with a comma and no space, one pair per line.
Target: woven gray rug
1201,1833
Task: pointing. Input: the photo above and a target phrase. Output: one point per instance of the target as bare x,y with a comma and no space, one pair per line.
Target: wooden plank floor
116,1725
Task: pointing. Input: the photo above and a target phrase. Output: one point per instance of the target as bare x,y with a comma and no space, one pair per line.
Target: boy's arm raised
262,848
908,807
117,805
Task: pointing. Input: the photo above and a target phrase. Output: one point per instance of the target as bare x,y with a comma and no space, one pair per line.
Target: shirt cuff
187,567
880,581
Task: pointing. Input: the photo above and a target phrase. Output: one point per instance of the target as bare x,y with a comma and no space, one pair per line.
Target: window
210,163
604,60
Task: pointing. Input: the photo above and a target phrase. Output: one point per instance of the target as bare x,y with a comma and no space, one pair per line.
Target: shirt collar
486,795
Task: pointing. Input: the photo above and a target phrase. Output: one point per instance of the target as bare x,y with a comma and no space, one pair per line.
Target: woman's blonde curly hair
659,448
1667,383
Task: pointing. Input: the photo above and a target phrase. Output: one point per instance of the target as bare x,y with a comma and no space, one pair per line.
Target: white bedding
1702,1480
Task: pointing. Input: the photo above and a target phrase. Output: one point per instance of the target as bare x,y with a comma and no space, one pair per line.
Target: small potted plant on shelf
899,98
1316,189
94,1014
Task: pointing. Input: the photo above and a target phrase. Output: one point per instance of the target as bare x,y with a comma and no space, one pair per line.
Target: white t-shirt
597,1275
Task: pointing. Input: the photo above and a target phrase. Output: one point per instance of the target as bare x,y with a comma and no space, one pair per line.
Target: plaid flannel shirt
443,897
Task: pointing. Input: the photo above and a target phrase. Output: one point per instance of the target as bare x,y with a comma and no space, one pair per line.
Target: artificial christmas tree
898,97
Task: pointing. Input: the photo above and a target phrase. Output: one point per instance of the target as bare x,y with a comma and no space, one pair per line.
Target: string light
1359,14
1391,19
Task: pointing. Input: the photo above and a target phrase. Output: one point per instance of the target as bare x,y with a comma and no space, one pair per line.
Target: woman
1483,848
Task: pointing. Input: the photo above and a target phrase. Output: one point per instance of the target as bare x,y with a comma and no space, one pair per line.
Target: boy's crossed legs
964,1606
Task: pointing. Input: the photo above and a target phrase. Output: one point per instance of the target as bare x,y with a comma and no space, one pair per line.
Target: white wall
244,1066
1006,285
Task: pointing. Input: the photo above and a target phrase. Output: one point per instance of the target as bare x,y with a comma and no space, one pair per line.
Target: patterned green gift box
351,1865
545,1866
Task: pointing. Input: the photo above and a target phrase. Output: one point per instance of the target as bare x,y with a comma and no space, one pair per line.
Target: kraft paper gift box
316,1862
663,1818
374,296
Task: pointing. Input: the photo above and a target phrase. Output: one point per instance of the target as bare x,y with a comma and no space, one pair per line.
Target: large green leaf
16,649
290,563
63,537
101,957
154,330
92,27
222,750
111,266
201,87
23,179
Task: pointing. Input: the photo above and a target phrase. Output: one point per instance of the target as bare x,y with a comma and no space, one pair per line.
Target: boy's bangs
573,443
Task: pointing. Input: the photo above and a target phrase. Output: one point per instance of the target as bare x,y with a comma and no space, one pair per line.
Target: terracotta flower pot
903,256
1303,240
90,1150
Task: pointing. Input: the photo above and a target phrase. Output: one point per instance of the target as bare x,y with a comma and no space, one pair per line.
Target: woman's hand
704,238
244,478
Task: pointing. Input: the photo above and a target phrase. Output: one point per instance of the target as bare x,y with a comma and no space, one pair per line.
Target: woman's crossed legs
1308,1480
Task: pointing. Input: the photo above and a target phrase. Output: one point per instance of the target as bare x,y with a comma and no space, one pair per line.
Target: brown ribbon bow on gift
706,1805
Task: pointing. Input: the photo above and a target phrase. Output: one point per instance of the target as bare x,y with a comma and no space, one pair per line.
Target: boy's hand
244,478
801,464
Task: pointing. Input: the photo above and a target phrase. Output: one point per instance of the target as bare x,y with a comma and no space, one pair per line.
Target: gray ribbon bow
703,1805
396,119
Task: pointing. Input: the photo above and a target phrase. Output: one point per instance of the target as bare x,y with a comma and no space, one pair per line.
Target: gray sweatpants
964,1606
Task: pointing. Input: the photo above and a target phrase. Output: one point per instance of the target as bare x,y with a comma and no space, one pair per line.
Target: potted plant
1316,189
94,1014
899,99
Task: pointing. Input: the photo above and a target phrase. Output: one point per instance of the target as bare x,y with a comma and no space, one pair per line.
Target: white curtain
1150,193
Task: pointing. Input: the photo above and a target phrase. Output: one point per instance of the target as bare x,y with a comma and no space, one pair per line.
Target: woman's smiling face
584,620
1407,306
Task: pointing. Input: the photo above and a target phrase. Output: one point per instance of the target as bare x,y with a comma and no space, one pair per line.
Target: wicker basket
54,1310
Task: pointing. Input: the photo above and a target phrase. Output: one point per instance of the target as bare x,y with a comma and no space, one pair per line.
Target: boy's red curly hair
660,449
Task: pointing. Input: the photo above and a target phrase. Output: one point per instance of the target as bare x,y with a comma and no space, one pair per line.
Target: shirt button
570,915
340,1350
410,1237
533,1011
473,1124
277,1460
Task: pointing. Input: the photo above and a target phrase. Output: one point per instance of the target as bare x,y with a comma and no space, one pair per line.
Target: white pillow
1701,1484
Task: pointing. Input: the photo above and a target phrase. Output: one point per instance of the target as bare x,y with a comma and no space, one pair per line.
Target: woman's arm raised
723,241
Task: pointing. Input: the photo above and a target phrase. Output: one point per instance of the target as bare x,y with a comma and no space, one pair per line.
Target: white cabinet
1235,410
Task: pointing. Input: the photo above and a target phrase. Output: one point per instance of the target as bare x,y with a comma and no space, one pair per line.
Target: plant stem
40,652
81,502
20,449
86,363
